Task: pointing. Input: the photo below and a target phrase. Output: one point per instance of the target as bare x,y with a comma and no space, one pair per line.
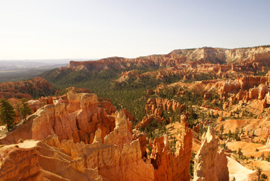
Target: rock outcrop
19,163
76,118
155,107
122,133
209,163
172,165
118,158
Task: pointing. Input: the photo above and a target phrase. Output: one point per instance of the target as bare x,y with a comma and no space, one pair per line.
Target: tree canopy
7,114
24,109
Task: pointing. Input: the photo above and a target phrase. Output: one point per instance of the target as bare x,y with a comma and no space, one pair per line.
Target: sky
92,29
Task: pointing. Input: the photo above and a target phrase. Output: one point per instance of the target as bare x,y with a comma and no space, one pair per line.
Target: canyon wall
177,57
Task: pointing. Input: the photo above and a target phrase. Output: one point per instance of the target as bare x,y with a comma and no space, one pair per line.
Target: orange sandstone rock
77,118
172,166
209,164
19,164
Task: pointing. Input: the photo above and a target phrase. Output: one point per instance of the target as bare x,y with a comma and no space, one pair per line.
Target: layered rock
19,163
76,118
115,159
209,163
43,160
122,133
258,57
192,64
217,55
120,158
117,156
168,165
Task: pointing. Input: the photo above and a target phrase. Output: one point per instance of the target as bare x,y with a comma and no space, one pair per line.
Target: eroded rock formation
76,118
168,165
155,107
209,163
19,163
109,149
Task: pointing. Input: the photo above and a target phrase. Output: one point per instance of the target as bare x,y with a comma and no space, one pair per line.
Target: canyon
57,134
192,114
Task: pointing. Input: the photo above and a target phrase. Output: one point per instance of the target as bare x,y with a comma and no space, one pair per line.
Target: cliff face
25,89
222,55
209,164
122,133
76,117
242,88
19,164
38,160
177,57
195,64
172,166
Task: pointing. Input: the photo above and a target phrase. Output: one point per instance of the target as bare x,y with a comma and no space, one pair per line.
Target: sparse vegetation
259,172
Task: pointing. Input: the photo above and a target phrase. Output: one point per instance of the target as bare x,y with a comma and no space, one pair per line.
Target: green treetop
24,109
7,114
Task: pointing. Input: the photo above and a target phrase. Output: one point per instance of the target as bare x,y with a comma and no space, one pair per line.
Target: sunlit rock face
81,137
77,118
168,165
209,163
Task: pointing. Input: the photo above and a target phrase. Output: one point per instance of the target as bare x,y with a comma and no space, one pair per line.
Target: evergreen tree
268,157
224,146
7,113
201,129
221,129
236,135
24,109
202,116
230,134
259,172
240,153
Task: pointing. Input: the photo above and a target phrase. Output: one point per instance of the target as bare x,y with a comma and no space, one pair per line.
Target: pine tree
201,129
240,153
230,134
259,172
7,114
236,135
221,129
24,109
202,117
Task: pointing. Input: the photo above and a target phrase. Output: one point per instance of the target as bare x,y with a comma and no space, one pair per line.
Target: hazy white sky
54,29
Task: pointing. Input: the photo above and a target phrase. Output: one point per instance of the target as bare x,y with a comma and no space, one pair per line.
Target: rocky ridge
192,64
176,57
